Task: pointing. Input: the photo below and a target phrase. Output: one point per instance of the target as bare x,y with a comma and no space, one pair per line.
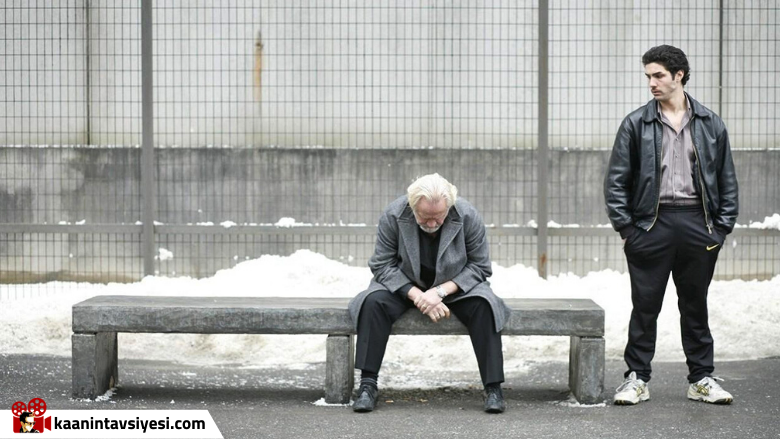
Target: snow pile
289,222
164,254
321,403
744,317
770,222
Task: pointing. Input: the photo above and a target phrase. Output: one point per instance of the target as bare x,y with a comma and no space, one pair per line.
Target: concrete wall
345,75
70,184
325,186
101,186
43,74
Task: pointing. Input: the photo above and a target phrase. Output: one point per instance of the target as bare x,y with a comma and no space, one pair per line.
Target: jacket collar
650,112
449,229
408,228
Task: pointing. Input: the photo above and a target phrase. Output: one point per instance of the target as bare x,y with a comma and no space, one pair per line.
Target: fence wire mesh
320,113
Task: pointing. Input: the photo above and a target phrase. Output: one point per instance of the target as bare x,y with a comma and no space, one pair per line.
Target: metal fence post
88,70
543,147
147,142
720,58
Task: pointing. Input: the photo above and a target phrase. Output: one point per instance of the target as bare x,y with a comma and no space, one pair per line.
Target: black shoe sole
495,409
362,409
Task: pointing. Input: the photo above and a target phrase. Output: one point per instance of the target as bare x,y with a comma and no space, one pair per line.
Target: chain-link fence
268,127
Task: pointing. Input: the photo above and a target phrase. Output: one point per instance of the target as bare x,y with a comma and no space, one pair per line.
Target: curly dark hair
672,58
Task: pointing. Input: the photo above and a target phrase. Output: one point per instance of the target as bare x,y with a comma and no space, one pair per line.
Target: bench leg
339,369
94,364
586,368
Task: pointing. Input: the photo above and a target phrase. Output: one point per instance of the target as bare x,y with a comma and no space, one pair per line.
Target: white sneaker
707,389
632,391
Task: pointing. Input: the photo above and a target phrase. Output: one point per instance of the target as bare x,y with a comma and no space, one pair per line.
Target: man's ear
679,76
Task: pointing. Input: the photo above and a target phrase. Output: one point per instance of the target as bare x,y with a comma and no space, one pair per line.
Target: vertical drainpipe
88,72
720,59
543,148
147,139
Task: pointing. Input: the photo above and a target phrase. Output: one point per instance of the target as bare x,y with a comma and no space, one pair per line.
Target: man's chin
428,230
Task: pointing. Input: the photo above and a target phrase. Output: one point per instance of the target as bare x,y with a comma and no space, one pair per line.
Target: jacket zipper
658,181
701,182
658,203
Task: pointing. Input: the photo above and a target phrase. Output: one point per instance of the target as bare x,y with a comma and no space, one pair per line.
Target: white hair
432,187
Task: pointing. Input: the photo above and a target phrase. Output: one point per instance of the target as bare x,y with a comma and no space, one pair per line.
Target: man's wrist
441,292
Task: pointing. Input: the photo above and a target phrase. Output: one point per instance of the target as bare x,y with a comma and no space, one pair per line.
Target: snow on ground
744,318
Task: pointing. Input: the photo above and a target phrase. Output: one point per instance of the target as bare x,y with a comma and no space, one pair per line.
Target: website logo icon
28,418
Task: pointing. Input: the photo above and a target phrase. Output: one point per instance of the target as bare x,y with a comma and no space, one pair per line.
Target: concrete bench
97,321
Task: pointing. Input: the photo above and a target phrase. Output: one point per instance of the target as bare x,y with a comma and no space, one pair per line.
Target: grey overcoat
463,256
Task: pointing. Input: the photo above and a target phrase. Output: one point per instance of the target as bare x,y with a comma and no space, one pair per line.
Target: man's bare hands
438,312
427,301
430,304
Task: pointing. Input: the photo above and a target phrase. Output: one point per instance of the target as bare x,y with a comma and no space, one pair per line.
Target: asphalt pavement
279,403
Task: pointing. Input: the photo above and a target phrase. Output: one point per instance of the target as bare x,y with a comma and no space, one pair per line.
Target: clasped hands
429,303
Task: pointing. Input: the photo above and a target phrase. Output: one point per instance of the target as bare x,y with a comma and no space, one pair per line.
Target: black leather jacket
632,186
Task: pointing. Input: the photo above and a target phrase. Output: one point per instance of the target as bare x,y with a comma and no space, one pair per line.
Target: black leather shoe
494,400
366,400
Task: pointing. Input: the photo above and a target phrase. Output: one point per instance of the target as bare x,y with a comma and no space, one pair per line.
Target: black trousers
678,243
382,308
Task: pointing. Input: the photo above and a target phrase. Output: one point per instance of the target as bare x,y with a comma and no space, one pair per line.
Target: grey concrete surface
453,68
586,368
324,186
316,315
339,368
271,403
95,364
95,356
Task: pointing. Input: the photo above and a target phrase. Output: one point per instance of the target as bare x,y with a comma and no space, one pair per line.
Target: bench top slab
292,315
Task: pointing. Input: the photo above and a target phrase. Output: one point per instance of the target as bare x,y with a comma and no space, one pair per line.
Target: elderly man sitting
431,253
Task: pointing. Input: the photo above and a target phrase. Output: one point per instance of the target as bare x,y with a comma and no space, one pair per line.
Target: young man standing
671,192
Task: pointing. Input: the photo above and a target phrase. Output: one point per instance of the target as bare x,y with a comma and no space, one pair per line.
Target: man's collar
651,110
660,114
